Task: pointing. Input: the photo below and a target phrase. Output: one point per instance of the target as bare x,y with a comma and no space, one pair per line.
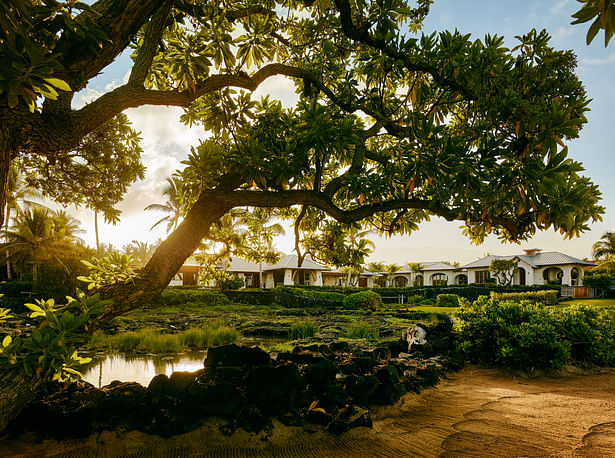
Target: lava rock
350,417
273,389
125,404
236,356
340,346
320,373
382,353
361,387
220,399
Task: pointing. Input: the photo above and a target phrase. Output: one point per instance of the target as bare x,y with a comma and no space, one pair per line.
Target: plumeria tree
392,127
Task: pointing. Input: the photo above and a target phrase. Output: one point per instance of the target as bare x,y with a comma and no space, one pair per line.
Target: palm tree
141,252
172,206
358,249
17,191
390,270
259,238
378,268
605,248
38,234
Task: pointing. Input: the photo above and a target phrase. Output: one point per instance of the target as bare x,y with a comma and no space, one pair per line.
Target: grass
151,341
303,329
589,302
433,309
362,330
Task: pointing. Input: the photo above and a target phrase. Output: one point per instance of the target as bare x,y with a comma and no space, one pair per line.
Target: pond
143,368
139,368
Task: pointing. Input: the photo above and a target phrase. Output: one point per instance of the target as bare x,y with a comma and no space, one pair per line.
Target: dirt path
475,412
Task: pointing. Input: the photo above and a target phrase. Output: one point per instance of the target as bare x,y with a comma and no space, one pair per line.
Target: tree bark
17,390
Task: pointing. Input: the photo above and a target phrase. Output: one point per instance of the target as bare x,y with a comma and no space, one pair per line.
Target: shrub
230,283
526,335
363,300
362,330
427,302
447,300
303,329
520,335
543,297
413,300
198,296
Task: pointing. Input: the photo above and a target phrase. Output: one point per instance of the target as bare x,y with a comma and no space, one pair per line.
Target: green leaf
58,83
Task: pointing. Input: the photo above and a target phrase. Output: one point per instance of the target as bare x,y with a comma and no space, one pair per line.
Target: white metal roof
550,258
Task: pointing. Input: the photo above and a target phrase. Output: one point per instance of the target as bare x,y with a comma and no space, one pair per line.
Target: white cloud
599,60
278,88
161,130
559,7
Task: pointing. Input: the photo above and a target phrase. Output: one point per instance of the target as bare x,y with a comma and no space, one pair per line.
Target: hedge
286,297
199,296
543,297
447,300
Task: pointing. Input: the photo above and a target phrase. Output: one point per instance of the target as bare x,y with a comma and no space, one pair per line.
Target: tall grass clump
303,329
212,334
362,330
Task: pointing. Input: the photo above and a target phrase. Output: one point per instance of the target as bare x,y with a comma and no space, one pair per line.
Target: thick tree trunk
17,390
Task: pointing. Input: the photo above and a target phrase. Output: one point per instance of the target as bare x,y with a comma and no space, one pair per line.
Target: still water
142,368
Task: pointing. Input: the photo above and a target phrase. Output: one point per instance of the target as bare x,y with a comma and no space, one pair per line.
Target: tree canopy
392,126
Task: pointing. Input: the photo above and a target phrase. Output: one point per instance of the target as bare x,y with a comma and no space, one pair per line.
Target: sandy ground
475,412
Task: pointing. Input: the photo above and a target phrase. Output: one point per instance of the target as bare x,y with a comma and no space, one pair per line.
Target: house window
362,282
481,276
306,277
439,279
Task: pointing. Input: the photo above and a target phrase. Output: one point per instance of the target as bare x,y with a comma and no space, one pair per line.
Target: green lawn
600,302
433,309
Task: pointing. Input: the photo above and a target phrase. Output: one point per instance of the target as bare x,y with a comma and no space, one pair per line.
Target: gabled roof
241,265
550,258
437,266
291,261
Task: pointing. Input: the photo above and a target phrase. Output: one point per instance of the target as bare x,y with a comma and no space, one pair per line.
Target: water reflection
141,369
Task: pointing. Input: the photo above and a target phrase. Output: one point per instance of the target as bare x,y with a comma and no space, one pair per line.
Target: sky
166,142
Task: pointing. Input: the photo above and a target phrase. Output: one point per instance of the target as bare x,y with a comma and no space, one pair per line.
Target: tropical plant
38,234
504,270
17,193
139,252
390,270
96,174
378,268
341,245
604,13
605,247
172,207
259,236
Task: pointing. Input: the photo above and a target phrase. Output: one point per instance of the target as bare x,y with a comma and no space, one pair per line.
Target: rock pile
331,385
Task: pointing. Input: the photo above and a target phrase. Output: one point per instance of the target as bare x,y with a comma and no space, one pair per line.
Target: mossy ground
314,324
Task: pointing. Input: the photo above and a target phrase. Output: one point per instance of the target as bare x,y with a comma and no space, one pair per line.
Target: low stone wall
330,384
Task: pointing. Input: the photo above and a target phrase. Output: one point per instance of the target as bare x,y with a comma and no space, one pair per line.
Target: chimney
532,251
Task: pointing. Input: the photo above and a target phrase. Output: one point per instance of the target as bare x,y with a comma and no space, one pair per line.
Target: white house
430,274
534,268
